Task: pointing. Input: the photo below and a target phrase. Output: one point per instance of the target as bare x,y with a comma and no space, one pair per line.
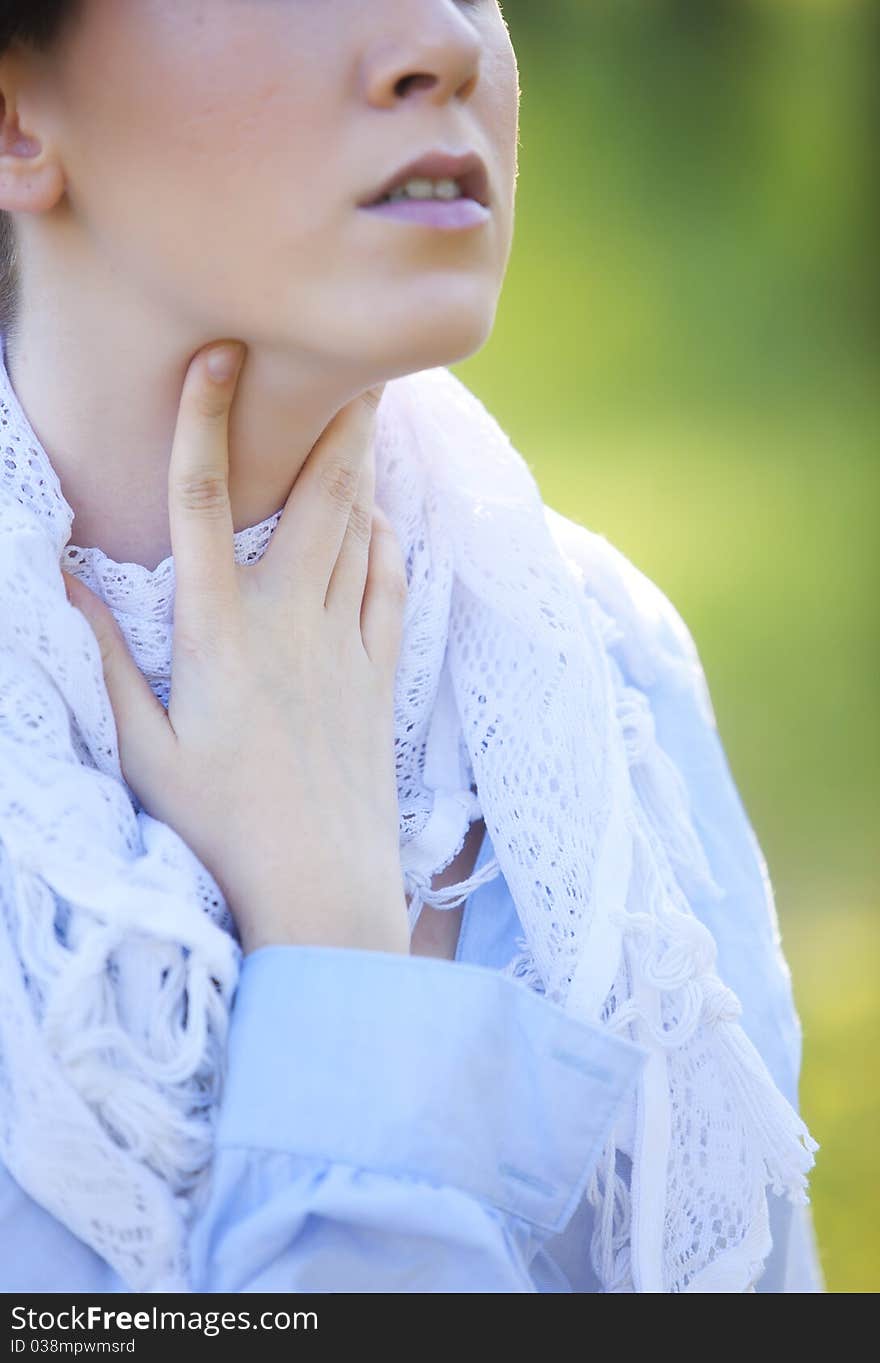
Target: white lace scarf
118,956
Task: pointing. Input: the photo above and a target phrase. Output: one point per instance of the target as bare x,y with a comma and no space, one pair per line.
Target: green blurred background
686,354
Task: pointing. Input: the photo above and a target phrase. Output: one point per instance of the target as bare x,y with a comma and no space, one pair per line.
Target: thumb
143,730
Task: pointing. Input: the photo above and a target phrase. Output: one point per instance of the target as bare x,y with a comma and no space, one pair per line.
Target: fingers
143,732
199,510
307,540
385,596
346,589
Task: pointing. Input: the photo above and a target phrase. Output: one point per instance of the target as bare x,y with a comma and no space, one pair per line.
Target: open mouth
423,188
437,176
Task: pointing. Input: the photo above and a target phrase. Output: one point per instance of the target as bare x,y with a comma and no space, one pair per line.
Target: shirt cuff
418,1066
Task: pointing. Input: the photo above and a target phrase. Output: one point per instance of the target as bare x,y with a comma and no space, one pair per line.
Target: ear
31,175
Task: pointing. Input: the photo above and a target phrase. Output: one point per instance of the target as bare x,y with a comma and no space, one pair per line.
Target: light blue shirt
408,1124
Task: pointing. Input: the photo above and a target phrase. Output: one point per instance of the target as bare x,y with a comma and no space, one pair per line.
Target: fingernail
223,362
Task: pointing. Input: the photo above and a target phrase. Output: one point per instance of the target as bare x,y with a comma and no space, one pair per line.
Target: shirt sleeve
400,1124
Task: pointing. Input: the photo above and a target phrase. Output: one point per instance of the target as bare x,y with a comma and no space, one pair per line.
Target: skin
162,203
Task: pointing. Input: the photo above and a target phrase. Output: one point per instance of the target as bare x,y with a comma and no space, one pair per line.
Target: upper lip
468,169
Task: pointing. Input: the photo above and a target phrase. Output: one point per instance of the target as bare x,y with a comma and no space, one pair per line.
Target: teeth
422,188
447,189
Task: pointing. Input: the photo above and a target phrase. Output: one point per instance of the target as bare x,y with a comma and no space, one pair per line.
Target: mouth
437,175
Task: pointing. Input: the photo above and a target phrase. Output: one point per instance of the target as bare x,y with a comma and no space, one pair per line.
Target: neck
107,419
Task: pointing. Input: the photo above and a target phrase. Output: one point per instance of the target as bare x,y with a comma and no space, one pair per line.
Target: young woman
378,909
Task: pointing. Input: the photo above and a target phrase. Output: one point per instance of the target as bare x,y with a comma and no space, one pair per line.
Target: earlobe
31,180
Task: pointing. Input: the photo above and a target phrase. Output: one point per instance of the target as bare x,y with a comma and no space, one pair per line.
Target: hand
275,759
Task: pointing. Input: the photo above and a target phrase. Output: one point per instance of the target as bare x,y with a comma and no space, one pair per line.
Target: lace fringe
607,1191
522,967
662,790
675,953
448,896
678,956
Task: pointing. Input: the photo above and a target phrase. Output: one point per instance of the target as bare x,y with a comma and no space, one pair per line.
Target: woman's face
215,153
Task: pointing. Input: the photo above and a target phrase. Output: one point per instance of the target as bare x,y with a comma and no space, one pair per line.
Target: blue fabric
396,1123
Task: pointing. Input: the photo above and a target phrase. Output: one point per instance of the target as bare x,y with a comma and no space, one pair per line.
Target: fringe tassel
447,896
676,954
662,791
777,1126
679,953
522,967
608,1194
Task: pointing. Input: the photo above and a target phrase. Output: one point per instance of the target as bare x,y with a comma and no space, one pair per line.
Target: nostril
406,83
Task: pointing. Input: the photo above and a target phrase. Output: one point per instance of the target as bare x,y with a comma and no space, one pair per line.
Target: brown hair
37,24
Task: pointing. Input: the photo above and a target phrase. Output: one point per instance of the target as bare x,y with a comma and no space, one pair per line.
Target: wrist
383,925
397,943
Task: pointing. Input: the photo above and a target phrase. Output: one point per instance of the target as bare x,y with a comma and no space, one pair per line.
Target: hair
37,24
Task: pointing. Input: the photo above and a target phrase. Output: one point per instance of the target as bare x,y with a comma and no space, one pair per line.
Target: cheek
501,92
184,197
174,161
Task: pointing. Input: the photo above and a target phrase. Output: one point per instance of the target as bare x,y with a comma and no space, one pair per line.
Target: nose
431,51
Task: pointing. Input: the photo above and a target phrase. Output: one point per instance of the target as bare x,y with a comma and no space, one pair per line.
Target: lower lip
450,215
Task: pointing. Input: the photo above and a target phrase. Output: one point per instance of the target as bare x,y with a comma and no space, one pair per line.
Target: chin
451,335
